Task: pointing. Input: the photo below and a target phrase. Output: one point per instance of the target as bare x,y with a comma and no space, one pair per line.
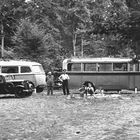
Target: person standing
64,79
50,83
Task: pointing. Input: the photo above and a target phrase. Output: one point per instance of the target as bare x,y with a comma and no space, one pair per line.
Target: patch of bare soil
42,117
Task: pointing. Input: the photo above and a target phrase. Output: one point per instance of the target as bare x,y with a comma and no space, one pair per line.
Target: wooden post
136,90
74,43
82,51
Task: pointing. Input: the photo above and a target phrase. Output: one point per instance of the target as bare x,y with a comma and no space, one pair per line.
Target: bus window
74,67
137,67
131,67
9,69
120,67
134,67
104,67
90,67
25,69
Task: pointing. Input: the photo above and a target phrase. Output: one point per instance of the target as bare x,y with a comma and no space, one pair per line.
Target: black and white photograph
69,69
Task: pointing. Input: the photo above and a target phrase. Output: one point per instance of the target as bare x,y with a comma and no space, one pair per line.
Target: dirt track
42,117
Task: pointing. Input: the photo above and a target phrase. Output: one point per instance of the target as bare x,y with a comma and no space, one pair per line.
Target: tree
10,13
53,30
132,30
108,23
92,21
29,40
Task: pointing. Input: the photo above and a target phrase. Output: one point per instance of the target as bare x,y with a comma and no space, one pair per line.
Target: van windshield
37,69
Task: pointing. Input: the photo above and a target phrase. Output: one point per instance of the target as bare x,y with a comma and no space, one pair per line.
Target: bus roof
101,59
17,63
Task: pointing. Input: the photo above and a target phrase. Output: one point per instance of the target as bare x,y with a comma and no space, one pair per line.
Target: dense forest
47,31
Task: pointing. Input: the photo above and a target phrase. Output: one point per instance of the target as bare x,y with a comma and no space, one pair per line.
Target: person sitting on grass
87,88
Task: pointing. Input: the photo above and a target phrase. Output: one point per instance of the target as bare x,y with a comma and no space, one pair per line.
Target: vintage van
27,70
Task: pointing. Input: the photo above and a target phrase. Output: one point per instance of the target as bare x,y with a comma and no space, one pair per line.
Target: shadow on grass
12,97
7,97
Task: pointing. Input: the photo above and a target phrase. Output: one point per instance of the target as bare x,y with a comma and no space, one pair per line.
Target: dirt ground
42,117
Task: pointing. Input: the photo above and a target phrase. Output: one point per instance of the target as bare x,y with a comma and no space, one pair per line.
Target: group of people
87,87
63,78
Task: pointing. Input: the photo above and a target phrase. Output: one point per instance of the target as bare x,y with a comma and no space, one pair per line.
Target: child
82,91
90,89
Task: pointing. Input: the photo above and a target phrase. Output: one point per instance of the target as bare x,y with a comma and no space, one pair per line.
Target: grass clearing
42,117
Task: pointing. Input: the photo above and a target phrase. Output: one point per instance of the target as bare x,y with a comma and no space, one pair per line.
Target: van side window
9,69
25,69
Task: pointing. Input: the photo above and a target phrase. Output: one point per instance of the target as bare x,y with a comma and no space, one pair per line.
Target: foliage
48,31
31,42
132,30
10,13
107,22
28,40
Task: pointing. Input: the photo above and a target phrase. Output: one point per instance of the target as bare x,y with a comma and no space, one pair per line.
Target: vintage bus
106,73
27,70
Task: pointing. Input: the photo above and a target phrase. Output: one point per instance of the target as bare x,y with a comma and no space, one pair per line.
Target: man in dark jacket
50,83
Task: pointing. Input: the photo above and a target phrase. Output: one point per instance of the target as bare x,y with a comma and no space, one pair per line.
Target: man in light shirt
64,79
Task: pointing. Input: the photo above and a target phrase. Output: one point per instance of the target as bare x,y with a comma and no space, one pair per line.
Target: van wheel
38,89
19,92
9,88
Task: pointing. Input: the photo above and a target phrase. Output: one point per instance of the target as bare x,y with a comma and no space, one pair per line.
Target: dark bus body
106,73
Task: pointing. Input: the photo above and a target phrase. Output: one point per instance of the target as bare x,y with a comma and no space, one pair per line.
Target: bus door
75,74
134,76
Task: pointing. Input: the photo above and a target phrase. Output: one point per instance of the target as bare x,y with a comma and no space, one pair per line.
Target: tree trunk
74,43
2,41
